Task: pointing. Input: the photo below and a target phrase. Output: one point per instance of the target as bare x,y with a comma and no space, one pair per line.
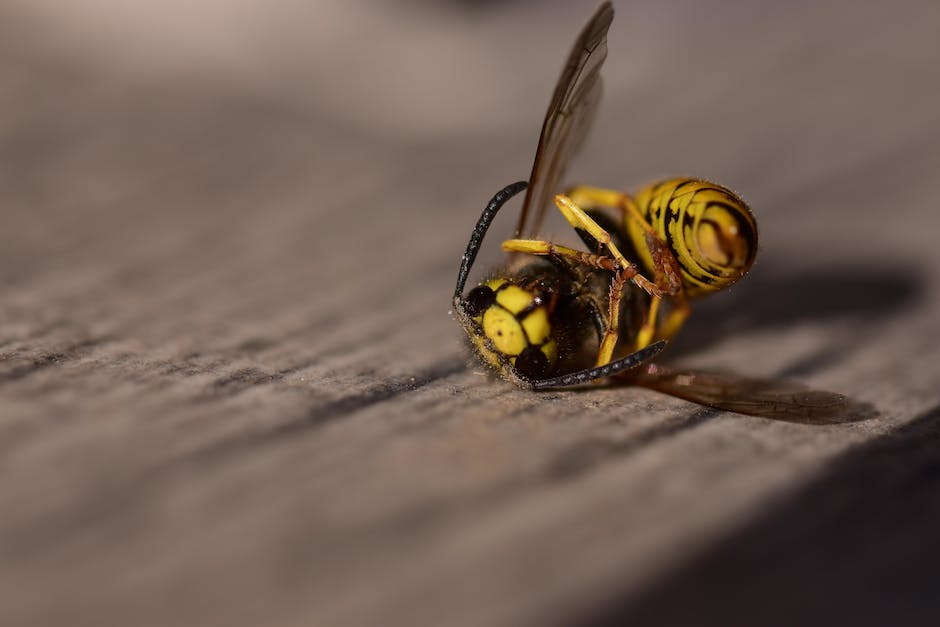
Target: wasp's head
509,325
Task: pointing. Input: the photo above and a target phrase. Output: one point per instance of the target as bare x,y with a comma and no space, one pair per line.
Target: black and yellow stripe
516,323
707,227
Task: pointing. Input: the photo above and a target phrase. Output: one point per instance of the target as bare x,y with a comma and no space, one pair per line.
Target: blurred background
223,222
299,120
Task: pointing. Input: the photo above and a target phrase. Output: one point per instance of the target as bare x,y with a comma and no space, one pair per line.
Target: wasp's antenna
476,238
583,376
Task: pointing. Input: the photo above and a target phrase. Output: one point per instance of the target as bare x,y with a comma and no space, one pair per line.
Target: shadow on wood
836,552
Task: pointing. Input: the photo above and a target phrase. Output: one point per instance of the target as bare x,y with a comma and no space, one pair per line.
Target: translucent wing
568,119
779,400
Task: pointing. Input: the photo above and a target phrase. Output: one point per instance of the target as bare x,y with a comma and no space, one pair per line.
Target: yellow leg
544,248
667,273
606,352
678,313
622,275
676,318
588,196
580,220
645,335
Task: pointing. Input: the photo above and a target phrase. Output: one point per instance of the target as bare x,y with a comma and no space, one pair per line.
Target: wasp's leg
606,351
668,278
611,331
678,313
666,272
549,249
646,332
665,269
587,196
580,220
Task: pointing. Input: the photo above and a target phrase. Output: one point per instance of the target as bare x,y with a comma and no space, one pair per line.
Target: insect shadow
859,299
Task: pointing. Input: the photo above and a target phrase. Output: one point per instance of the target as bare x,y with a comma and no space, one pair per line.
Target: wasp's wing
568,118
779,400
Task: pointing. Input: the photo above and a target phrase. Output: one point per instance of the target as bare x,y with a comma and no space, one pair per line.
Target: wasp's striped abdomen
709,229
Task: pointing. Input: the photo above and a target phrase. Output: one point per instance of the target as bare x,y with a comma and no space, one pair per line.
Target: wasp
557,316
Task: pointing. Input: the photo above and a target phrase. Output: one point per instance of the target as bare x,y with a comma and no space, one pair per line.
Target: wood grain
231,393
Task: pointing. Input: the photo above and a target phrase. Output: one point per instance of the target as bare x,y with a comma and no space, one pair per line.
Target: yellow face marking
536,325
504,330
504,335
488,356
514,298
551,351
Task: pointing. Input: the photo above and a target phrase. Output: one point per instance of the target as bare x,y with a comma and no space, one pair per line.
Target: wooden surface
231,393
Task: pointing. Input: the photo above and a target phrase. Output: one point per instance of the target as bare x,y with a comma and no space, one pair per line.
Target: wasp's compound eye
479,300
532,363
